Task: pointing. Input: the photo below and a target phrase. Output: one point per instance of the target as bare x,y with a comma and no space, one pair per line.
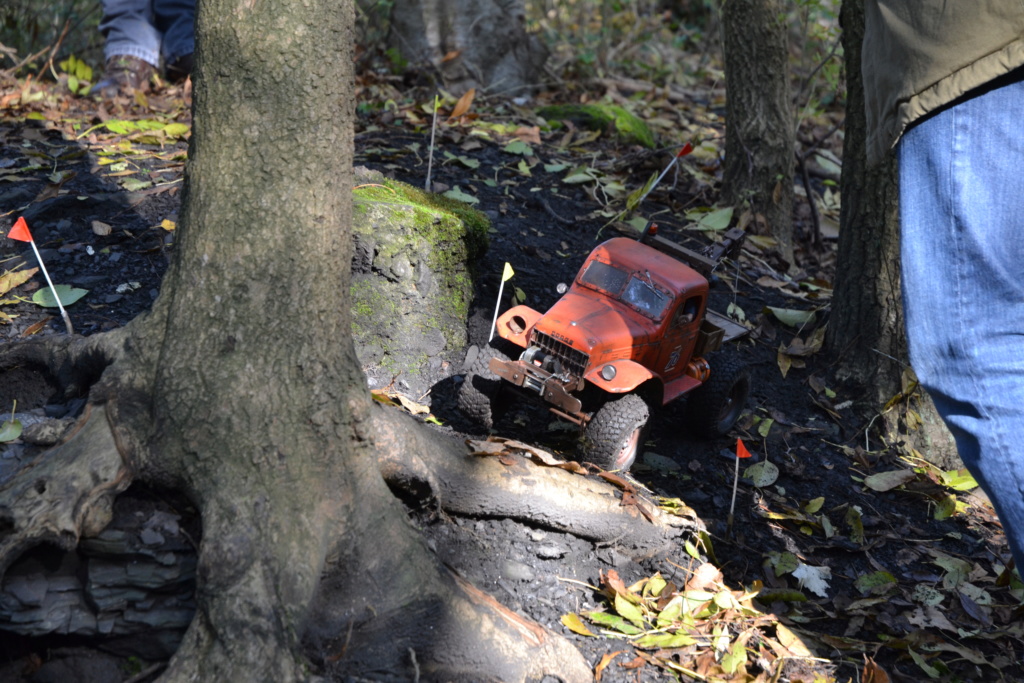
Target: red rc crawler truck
632,333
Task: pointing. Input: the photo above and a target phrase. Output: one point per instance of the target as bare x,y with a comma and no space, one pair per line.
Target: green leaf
555,168
711,220
664,641
580,174
176,130
518,147
672,613
628,610
769,596
68,295
121,127
814,505
856,524
783,563
613,621
523,167
10,430
762,474
734,659
791,316
633,200
875,583
457,194
958,480
464,160
135,184
925,667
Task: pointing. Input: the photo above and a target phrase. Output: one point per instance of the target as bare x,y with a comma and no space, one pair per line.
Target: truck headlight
608,372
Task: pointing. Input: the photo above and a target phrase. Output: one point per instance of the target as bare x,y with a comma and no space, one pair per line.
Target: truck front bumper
538,381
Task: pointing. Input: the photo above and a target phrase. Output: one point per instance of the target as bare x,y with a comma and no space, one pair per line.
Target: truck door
680,336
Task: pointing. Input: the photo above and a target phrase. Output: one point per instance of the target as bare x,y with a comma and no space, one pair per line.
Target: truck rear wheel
713,408
615,434
478,395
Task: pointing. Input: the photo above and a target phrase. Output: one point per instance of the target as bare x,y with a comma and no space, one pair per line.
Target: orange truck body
635,319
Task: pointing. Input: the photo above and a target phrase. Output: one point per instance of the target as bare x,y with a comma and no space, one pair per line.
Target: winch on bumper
554,388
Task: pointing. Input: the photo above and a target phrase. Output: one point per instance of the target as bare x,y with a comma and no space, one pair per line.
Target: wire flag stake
506,275
21,233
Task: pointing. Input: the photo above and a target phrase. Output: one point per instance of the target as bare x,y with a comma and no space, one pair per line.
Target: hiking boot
124,73
180,69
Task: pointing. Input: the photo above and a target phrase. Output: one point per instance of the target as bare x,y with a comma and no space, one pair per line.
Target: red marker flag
741,450
20,231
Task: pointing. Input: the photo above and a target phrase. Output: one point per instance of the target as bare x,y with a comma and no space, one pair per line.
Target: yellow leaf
628,611
572,622
11,279
785,363
412,406
168,225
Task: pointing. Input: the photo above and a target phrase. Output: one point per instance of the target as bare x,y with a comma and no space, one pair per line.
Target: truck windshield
605,277
642,295
634,291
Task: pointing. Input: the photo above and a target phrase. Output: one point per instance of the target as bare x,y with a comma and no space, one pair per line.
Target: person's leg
128,28
176,20
962,224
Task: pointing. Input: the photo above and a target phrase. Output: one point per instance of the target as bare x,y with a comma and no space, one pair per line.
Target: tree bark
760,137
866,332
242,390
472,43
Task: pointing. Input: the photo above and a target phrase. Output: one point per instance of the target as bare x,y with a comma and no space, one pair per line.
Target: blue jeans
149,29
962,244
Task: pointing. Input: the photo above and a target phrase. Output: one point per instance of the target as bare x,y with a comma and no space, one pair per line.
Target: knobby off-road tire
479,394
713,408
615,435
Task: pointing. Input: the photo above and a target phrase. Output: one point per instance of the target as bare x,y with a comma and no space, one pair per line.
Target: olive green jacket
919,55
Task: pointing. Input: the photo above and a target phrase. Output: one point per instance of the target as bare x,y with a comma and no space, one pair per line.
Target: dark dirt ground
544,229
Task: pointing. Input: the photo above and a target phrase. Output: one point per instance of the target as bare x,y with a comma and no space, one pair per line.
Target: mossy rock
627,126
412,280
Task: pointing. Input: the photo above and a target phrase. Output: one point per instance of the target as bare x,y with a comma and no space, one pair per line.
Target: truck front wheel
713,408
478,395
615,434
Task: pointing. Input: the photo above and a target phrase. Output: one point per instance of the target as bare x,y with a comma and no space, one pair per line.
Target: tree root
65,493
414,460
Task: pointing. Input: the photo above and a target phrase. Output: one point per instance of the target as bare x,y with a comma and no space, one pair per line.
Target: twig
53,50
415,665
430,152
146,673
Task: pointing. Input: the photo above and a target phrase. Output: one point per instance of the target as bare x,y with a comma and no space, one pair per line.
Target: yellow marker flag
507,273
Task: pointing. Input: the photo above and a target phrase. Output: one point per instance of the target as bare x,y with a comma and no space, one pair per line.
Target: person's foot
124,73
180,68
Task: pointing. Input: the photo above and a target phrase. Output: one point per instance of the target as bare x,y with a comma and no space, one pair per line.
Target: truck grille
572,360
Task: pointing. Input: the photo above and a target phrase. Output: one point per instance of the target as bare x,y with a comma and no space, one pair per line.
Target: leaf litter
905,588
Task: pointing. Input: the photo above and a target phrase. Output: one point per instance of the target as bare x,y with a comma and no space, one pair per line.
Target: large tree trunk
760,138
472,43
241,389
866,330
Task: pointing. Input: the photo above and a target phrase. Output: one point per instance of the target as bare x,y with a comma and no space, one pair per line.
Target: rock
79,666
132,587
411,281
517,571
550,552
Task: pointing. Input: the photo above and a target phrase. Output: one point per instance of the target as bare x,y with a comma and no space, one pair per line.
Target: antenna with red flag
21,233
